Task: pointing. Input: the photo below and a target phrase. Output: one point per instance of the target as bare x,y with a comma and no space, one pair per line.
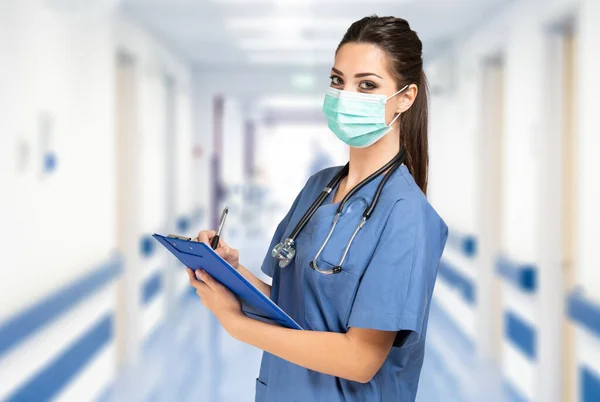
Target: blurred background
121,118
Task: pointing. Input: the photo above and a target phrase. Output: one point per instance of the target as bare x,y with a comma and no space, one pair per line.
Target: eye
335,80
367,85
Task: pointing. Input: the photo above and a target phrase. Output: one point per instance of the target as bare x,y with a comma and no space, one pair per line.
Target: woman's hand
217,298
231,255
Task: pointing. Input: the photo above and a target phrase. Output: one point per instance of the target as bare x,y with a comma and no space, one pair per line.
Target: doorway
558,372
491,310
568,202
126,211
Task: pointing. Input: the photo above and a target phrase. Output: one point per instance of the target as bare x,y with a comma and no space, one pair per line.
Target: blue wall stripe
50,381
523,276
465,244
457,280
521,334
590,385
147,246
584,312
183,224
151,287
29,321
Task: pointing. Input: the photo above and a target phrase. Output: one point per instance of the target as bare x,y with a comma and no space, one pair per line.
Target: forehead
354,58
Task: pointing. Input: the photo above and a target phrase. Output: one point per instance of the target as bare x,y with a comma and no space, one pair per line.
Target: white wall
588,169
520,33
54,227
154,63
57,227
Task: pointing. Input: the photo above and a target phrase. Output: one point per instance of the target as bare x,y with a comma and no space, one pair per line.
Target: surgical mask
356,118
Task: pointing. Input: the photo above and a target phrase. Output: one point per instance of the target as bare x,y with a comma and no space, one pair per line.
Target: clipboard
255,304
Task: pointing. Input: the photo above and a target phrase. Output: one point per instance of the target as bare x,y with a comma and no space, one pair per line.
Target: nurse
364,306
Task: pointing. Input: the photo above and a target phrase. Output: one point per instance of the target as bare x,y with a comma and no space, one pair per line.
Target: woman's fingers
199,285
208,280
227,251
231,253
205,236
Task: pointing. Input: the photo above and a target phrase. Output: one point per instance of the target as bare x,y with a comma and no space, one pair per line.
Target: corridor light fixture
303,2
83,7
304,22
292,58
286,44
291,102
303,82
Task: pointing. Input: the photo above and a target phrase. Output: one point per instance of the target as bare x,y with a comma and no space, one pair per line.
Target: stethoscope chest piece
284,252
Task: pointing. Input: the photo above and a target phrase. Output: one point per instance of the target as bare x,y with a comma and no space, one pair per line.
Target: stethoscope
286,251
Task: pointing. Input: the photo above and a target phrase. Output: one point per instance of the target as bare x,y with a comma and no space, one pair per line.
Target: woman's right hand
231,255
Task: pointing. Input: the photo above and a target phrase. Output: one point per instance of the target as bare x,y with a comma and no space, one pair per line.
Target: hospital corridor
121,119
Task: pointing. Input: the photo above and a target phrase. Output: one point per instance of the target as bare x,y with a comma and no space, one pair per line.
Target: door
568,206
491,312
557,379
126,211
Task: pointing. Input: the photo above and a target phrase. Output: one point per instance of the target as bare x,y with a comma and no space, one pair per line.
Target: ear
407,98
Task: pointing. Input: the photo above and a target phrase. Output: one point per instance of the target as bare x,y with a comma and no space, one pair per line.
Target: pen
215,241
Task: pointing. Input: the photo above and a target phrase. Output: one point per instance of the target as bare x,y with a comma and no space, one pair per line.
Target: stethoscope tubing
395,164
319,200
389,168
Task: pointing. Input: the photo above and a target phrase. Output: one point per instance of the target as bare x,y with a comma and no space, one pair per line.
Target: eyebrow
335,70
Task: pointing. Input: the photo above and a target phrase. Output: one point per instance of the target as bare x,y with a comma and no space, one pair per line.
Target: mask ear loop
396,118
402,90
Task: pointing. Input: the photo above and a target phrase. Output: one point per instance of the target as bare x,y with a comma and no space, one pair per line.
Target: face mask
356,118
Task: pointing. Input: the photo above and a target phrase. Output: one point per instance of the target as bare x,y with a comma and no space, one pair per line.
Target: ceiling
234,33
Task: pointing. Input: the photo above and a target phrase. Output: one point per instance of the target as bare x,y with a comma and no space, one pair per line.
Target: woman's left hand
217,298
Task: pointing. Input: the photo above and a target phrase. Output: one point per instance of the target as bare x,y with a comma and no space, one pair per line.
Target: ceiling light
83,7
303,82
278,44
291,102
285,23
302,2
295,58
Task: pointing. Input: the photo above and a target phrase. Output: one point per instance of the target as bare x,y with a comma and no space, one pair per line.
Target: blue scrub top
386,284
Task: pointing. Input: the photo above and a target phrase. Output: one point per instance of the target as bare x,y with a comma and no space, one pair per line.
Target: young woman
354,261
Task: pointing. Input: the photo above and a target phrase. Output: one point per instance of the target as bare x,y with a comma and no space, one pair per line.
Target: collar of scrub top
286,251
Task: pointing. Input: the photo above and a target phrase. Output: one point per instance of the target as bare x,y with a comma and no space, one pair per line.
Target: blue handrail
584,312
16,329
523,276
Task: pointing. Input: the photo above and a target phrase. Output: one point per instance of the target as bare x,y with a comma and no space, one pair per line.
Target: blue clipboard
255,304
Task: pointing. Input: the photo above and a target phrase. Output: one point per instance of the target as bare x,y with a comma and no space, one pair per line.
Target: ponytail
413,135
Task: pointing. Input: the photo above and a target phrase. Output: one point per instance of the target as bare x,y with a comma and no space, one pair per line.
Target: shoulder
318,180
323,175
314,185
408,205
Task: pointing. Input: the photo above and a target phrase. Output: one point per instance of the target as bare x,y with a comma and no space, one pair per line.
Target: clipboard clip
179,237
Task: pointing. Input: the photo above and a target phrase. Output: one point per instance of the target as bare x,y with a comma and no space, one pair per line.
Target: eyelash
370,85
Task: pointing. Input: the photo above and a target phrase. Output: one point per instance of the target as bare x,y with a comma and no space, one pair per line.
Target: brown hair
404,50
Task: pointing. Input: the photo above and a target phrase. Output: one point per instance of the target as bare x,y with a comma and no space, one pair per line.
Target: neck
365,161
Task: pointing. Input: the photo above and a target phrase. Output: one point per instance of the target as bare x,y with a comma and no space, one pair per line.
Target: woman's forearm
263,287
336,354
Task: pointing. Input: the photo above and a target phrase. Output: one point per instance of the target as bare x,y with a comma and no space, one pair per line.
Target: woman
366,313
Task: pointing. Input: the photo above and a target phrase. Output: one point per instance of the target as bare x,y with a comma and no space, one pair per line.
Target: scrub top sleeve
268,265
397,285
